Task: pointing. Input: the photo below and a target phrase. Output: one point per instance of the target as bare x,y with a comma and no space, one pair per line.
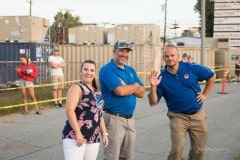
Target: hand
18,69
136,84
153,78
105,140
201,97
80,139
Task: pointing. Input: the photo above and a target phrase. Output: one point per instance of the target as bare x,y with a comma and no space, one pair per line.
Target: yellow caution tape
30,103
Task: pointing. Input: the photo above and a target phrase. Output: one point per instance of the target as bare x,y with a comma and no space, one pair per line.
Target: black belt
119,115
190,113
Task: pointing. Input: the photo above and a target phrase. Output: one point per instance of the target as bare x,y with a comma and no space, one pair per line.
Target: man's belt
119,115
190,113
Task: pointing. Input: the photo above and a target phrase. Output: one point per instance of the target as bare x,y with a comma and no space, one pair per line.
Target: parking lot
38,137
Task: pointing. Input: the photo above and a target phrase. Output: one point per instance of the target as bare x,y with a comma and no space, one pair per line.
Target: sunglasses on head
124,45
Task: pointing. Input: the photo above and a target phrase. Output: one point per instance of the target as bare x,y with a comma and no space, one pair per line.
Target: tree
187,33
209,14
59,28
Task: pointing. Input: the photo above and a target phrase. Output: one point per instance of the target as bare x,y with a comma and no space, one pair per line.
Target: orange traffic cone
224,81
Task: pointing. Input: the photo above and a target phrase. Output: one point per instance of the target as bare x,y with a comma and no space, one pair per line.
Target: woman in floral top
85,124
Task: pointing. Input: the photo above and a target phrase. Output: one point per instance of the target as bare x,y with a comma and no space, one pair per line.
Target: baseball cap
123,44
55,48
184,55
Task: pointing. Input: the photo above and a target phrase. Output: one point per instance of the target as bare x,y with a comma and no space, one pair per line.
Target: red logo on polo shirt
186,76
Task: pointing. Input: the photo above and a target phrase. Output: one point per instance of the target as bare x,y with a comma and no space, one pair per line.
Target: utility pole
175,27
105,40
165,23
203,32
30,10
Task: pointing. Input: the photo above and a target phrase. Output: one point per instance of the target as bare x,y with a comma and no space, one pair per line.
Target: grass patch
237,158
9,98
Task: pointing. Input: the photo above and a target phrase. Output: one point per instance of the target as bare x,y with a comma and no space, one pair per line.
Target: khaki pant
196,126
122,137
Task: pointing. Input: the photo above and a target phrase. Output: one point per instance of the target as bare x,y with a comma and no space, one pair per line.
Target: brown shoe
38,112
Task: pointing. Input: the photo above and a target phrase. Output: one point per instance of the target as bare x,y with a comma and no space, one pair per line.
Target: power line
175,27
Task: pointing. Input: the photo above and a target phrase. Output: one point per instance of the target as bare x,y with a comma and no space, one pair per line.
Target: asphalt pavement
38,137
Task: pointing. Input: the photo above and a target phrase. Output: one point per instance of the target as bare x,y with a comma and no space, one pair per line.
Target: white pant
85,152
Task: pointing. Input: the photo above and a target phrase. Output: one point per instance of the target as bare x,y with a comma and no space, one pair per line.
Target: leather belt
190,113
119,115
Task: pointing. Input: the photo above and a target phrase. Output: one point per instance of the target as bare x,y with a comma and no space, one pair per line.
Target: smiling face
171,57
121,56
88,72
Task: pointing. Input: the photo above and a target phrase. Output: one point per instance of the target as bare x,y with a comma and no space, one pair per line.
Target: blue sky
110,11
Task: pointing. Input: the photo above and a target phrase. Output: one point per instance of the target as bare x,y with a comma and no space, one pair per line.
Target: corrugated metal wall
9,59
224,60
196,54
143,58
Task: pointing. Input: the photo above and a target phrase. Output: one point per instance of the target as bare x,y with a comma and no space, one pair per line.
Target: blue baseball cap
123,44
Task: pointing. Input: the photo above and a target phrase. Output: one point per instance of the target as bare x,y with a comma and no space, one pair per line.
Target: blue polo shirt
180,90
110,77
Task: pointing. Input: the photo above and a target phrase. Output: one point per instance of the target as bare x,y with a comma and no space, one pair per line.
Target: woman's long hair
94,83
25,57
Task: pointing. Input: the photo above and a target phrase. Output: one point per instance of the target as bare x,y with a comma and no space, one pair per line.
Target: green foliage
187,33
63,21
237,158
209,15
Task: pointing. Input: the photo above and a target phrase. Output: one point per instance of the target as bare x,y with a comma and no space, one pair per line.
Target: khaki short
25,84
59,82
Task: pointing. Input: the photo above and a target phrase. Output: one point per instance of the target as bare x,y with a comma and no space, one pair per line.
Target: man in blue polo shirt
178,84
120,85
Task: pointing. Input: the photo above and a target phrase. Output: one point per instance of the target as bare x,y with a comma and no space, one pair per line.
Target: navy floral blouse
88,112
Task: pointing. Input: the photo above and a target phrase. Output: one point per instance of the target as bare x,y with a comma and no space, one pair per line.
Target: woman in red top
27,72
